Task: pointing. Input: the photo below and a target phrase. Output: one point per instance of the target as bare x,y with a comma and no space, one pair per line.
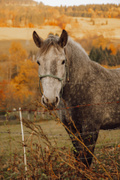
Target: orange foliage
17,51
61,21
51,23
100,41
7,95
111,67
62,25
30,25
25,83
2,94
22,87
113,49
3,57
17,56
118,47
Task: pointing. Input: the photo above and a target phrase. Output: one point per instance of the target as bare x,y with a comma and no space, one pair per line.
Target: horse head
52,61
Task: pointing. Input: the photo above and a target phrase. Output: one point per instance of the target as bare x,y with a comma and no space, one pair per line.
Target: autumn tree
4,59
113,49
105,56
100,41
2,94
26,82
21,87
17,56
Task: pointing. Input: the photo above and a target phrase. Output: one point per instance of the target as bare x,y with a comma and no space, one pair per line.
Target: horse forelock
48,43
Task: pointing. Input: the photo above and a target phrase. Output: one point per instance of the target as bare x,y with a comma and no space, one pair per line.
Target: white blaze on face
51,64
51,88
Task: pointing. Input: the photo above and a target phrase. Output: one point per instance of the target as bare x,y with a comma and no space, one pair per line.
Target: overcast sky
77,2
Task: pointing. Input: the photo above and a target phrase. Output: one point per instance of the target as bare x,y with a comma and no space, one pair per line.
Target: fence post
23,143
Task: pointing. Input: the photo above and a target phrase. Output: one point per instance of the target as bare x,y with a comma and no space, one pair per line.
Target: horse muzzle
50,104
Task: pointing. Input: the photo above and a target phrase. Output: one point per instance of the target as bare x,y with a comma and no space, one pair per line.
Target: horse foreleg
83,143
84,146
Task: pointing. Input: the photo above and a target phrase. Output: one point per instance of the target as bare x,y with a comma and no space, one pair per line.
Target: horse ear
38,41
63,39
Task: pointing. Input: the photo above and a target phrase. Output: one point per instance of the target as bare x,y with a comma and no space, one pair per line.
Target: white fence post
23,143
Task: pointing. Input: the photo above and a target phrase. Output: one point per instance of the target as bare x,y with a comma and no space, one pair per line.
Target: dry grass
84,28
49,149
50,156
26,33
24,36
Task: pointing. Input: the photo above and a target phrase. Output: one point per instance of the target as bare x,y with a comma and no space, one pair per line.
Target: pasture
53,149
49,148
84,28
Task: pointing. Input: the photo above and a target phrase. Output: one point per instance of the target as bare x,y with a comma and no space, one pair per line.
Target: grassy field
52,128
48,146
78,27
28,45
83,28
23,36
11,151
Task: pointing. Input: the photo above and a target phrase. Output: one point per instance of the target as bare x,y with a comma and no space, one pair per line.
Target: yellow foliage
17,56
23,86
17,53
3,57
17,47
113,49
100,41
26,82
111,67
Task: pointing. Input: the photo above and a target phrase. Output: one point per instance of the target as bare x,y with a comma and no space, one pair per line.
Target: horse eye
38,63
63,62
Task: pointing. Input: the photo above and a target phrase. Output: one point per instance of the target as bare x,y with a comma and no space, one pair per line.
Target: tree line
28,13
106,56
18,78
103,10
19,74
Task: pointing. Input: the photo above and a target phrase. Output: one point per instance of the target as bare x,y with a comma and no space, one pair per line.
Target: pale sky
77,2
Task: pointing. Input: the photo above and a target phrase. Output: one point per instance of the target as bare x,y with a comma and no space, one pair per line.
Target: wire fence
50,141
45,118
65,108
42,159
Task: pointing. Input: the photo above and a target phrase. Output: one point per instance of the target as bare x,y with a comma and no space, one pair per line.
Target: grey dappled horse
66,72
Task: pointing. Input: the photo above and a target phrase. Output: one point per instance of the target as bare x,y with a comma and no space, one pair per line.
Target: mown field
23,36
78,28
52,140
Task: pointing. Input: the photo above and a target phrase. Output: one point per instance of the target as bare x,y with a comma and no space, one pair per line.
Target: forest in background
18,70
19,82
19,78
28,13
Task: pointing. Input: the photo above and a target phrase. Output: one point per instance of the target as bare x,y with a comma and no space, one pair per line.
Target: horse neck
78,59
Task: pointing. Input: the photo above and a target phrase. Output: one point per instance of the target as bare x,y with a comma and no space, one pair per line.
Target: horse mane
78,49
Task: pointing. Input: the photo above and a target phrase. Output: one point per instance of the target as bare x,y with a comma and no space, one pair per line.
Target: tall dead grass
46,160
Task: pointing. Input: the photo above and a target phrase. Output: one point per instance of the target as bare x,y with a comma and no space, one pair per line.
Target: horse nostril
56,100
49,104
45,100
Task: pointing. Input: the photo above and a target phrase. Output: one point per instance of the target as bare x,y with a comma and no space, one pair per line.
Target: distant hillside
29,13
18,2
93,10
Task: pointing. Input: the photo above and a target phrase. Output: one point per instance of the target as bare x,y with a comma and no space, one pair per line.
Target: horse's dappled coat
89,84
